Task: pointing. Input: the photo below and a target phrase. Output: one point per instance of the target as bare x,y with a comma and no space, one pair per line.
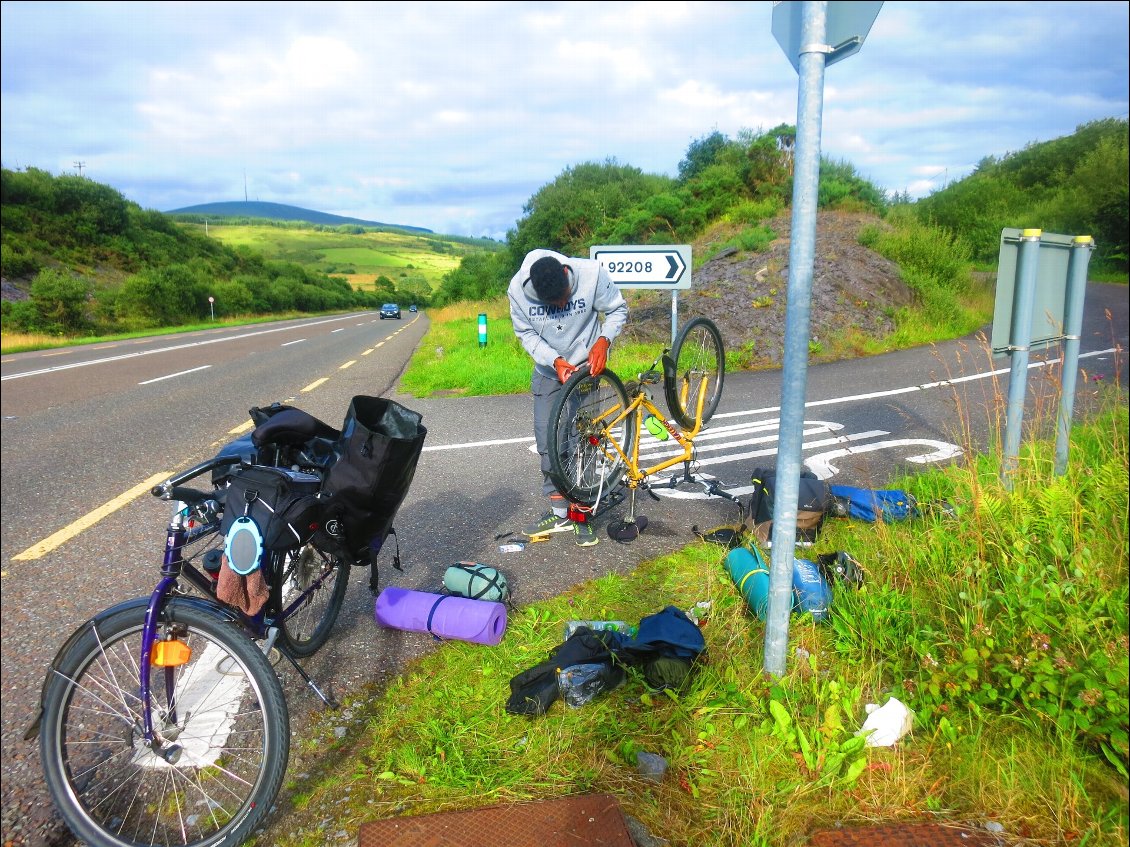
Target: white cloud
450,115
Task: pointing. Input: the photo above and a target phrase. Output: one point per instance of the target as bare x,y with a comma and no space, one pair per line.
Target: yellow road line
315,384
242,428
347,364
86,521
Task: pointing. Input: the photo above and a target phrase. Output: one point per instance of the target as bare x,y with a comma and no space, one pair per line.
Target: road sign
1050,292
848,22
650,266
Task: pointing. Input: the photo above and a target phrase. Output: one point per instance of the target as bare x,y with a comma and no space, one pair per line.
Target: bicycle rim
222,721
585,463
700,369
307,627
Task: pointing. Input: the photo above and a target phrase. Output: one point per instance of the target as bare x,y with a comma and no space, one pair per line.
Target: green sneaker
546,524
584,534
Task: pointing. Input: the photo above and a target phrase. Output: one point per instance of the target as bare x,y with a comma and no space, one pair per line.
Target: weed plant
1004,627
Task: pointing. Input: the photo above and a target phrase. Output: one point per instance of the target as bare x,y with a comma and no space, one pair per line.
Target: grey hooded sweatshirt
595,308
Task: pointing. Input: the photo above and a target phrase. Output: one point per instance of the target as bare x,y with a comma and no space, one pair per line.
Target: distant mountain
280,212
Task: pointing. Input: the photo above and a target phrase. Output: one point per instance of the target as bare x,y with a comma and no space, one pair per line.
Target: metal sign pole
674,315
1027,261
798,313
1072,328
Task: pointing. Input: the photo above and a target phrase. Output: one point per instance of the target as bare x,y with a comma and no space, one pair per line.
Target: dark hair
549,278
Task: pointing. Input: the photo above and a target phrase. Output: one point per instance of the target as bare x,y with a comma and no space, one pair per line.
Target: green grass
1005,629
368,254
449,360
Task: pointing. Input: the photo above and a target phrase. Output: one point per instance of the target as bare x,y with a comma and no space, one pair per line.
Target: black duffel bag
374,462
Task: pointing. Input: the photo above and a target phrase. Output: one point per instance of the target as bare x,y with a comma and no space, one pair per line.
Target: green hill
254,209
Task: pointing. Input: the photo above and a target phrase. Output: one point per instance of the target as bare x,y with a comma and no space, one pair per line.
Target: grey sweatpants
546,390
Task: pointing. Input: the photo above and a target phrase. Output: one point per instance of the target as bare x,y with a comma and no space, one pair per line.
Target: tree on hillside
1076,185
701,154
564,214
59,303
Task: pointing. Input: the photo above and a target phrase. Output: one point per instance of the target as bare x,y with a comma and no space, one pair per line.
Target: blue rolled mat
750,573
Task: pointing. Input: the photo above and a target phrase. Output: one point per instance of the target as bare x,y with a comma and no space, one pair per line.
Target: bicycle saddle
292,426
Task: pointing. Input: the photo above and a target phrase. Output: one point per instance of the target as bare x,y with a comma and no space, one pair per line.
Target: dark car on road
412,308
390,310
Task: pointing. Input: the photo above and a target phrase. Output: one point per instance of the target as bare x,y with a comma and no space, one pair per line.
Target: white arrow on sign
654,266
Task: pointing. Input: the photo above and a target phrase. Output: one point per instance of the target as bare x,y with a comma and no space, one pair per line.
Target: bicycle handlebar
171,488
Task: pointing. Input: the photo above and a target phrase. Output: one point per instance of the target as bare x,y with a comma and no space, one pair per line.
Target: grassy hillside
80,261
255,209
362,257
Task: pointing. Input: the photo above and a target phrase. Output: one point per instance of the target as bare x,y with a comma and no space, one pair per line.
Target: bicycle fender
220,613
669,374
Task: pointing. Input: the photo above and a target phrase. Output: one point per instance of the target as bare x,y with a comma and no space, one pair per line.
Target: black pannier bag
284,504
374,462
812,504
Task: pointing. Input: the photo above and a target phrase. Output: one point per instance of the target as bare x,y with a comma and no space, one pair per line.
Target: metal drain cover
583,820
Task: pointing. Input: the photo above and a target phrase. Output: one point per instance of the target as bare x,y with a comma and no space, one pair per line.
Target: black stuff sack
374,463
813,498
276,508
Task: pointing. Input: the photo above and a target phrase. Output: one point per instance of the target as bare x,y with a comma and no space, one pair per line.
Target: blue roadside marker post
482,330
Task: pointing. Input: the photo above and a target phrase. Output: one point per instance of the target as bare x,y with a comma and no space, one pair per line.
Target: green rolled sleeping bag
750,573
476,581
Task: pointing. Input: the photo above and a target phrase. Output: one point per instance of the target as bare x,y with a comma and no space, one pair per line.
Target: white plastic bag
887,724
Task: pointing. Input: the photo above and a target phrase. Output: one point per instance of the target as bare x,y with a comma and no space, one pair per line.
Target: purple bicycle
162,720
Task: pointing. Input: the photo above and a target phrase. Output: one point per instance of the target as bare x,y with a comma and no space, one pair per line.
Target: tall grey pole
1027,260
798,313
1072,328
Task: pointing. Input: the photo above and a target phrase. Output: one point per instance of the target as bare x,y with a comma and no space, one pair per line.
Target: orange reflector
170,654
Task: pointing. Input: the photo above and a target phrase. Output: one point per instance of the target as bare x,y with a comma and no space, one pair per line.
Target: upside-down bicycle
597,423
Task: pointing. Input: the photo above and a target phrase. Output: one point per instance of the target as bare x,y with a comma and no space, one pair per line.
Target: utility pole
79,166
245,185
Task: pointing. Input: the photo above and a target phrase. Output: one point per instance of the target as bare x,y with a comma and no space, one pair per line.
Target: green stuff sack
478,582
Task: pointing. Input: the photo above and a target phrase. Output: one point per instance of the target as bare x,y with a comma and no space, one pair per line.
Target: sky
451,116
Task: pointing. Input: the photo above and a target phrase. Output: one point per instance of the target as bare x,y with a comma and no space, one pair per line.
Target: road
86,430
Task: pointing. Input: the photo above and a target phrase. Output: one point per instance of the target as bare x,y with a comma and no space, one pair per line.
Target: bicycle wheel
307,627
221,717
700,366
585,464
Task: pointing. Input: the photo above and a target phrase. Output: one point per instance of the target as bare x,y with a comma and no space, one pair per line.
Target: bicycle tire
111,789
306,629
698,354
580,467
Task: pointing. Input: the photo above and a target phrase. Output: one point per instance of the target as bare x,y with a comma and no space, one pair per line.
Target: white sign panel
650,266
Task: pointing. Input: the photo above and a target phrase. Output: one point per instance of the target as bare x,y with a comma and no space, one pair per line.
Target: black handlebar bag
374,462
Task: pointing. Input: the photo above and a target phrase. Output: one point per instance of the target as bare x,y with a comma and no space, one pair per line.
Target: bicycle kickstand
326,698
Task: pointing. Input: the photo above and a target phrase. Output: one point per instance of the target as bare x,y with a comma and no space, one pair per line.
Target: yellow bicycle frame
635,474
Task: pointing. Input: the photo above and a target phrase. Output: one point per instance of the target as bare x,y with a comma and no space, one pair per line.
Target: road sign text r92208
651,266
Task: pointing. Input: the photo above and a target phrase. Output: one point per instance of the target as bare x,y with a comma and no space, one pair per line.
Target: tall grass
937,266
1004,628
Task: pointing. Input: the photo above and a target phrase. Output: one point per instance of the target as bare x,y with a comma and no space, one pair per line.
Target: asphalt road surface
86,432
